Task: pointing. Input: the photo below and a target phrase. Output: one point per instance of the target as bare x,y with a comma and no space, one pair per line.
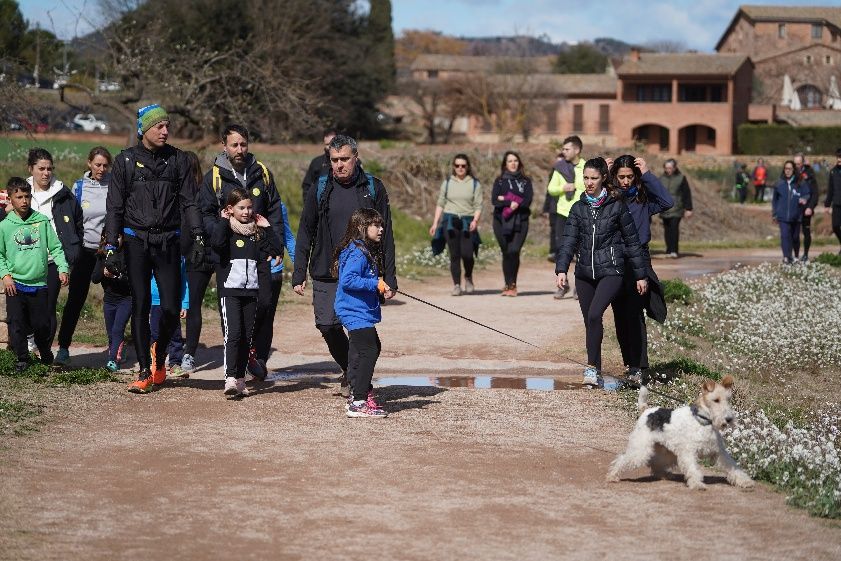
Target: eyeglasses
459,165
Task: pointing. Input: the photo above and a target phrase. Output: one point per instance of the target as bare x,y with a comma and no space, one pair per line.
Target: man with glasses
329,203
320,165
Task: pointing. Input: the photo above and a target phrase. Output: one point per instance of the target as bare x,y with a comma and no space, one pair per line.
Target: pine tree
381,37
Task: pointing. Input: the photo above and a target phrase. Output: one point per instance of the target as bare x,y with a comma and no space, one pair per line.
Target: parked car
23,124
90,123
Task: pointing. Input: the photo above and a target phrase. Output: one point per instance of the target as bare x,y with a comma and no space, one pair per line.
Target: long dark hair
356,233
626,161
502,168
36,154
195,165
600,165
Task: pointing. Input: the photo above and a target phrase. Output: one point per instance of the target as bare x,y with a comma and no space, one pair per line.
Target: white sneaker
593,378
241,389
231,386
468,285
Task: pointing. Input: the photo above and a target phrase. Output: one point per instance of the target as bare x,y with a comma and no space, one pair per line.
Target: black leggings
836,221
238,313
460,245
511,246
629,319
363,351
264,324
80,283
53,290
806,226
165,261
594,296
671,231
197,282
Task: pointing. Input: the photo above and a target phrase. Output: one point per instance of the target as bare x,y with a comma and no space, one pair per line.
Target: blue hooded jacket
357,302
658,200
786,205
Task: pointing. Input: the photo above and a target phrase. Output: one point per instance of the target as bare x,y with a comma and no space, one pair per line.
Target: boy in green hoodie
26,240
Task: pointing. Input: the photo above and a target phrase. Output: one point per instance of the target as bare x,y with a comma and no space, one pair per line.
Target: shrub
675,290
785,139
831,259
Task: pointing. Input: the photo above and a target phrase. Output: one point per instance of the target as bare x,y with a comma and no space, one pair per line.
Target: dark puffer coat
601,238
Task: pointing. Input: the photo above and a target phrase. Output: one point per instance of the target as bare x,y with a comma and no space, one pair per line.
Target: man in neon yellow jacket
567,183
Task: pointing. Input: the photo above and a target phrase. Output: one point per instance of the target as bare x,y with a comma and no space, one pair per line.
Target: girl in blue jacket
787,209
356,263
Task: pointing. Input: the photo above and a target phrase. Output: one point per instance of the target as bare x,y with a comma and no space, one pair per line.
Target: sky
697,23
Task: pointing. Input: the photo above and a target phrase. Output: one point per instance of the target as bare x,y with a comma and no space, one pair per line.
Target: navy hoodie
658,199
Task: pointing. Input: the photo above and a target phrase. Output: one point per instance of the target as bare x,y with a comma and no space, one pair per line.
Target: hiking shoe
143,384
468,285
593,378
344,385
158,366
176,371
121,354
231,386
242,391
673,255
62,357
111,366
363,410
256,367
456,290
188,365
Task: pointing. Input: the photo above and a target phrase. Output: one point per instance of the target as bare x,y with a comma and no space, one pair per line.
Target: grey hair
341,140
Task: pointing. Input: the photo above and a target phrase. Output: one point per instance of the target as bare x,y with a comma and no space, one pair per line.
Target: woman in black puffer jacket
601,233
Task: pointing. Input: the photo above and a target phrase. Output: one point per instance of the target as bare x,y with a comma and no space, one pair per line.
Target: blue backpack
322,186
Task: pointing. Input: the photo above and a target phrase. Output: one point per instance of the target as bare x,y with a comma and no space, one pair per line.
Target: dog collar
703,419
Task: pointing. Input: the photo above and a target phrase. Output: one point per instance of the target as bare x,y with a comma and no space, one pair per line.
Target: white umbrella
788,91
833,98
795,102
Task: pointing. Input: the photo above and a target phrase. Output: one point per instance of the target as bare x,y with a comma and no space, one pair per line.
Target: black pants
553,233
77,293
629,319
197,282
806,226
559,222
742,194
364,350
594,296
175,349
165,261
323,299
836,221
28,312
671,230
53,290
238,313
460,246
759,195
264,324
511,246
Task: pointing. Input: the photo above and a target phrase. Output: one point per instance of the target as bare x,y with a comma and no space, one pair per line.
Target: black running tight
594,296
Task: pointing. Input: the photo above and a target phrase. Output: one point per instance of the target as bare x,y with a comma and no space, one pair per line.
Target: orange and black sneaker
158,366
143,384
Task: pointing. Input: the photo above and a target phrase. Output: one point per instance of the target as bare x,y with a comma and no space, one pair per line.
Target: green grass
676,290
38,372
681,367
831,259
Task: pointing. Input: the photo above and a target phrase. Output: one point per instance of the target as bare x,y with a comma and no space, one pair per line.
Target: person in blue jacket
264,331
633,183
357,261
175,349
787,205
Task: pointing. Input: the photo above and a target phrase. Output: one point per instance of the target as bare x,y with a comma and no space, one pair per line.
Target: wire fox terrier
664,437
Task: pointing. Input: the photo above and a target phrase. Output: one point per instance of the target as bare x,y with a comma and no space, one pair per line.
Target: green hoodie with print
24,247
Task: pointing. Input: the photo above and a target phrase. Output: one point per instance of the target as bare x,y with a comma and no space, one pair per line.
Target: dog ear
708,386
727,381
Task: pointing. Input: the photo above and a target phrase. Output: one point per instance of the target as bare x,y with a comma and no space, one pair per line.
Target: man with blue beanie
152,193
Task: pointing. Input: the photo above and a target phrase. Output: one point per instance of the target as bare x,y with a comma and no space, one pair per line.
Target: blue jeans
790,238
117,315
175,349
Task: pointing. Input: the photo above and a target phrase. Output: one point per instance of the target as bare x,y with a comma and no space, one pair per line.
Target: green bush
785,139
675,290
831,259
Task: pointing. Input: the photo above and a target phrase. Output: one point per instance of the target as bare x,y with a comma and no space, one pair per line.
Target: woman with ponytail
601,233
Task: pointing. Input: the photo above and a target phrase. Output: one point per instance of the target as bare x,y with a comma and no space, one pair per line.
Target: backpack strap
265,173
320,188
371,188
447,188
77,187
475,184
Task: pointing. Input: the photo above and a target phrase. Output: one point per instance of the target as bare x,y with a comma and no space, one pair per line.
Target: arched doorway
810,97
696,138
654,137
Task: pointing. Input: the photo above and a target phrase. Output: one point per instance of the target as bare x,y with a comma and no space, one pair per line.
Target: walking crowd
153,230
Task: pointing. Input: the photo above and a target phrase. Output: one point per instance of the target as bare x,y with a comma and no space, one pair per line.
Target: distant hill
524,45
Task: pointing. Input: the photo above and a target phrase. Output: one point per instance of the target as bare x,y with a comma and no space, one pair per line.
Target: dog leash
619,377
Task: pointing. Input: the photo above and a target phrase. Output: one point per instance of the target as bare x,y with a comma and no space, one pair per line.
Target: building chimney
634,55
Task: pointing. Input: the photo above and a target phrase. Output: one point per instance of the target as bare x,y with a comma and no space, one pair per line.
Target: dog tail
642,399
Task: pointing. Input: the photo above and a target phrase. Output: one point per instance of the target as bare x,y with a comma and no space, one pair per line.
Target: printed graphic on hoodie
27,238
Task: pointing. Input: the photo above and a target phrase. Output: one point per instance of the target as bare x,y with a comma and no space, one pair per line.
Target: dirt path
451,474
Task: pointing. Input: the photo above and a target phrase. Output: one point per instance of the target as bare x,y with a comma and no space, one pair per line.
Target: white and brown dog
663,437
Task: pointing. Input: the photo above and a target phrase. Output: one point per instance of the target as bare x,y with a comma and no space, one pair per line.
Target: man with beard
237,167
329,204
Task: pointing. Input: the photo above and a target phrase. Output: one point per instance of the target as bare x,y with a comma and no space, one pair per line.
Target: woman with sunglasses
457,214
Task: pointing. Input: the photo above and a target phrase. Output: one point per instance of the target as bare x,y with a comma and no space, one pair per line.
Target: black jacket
833,192
314,244
149,192
320,165
69,224
113,288
242,259
601,238
265,198
806,176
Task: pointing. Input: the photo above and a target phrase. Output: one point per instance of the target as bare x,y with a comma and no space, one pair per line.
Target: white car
90,123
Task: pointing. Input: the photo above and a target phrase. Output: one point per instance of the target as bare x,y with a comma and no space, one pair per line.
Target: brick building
802,42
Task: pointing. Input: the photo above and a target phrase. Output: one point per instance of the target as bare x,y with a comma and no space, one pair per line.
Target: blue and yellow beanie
149,116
